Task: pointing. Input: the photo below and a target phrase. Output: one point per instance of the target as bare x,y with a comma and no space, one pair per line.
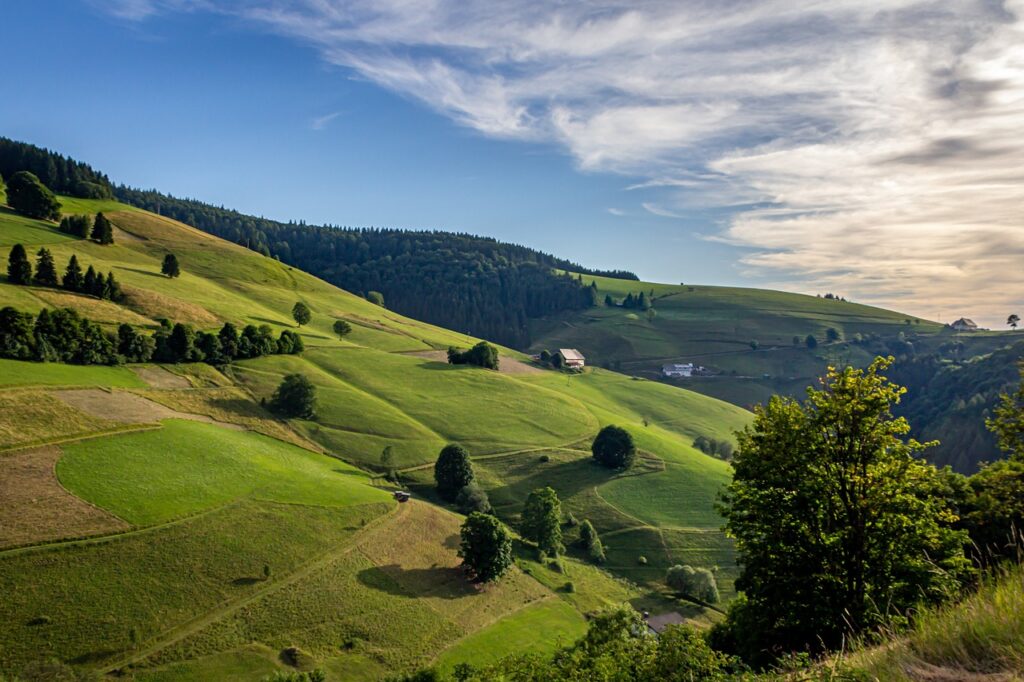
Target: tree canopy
342,328
453,471
542,520
28,196
295,397
60,173
482,354
46,270
839,526
170,266
614,447
301,313
102,230
485,547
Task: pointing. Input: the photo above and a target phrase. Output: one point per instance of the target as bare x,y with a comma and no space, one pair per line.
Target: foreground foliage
839,527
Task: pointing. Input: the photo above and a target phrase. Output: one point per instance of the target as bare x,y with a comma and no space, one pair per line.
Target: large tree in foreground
838,524
453,471
614,447
485,547
295,397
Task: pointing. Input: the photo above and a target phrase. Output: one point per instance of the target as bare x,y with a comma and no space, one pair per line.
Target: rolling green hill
159,522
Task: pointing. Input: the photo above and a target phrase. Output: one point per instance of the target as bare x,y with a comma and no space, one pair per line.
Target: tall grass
980,636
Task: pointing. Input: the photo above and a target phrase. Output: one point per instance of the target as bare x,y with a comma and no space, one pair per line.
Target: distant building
677,370
401,495
964,325
571,357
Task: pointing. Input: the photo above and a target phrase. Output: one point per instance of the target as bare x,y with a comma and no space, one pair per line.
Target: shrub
544,458
541,520
614,448
569,587
473,498
376,298
482,354
641,560
698,583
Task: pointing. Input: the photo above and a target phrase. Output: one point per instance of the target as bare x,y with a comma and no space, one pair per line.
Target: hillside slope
162,523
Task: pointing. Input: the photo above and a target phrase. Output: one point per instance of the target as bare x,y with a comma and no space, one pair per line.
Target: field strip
128,428
504,453
111,537
188,628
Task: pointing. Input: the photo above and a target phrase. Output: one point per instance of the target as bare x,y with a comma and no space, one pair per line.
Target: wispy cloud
320,122
872,148
617,212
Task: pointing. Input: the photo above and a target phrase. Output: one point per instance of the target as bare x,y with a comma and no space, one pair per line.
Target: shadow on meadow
446,582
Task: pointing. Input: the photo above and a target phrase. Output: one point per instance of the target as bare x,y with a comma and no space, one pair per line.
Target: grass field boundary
90,435
178,633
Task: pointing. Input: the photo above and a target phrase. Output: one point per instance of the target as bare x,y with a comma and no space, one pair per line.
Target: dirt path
189,628
129,408
158,377
505,365
35,507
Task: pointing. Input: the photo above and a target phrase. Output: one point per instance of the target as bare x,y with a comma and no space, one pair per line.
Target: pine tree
19,269
170,266
112,289
102,230
46,271
72,280
89,282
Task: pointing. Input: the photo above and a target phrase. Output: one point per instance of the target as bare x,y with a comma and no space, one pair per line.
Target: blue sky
871,151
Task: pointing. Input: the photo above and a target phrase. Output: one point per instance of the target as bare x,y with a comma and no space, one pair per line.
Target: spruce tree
170,266
112,289
46,271
89,285
19,269
102,230
72,280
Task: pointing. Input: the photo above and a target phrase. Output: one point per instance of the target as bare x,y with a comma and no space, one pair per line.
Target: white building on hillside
571,357
677,370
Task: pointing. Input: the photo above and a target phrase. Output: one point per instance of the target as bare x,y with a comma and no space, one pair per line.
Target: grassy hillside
714,327
162,523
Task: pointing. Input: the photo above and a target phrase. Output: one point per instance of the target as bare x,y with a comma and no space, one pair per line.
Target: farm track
180,632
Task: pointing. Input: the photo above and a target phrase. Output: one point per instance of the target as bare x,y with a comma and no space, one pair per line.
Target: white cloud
320,122
617,212
871,148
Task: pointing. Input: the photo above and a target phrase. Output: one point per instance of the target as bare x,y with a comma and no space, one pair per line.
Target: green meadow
240,545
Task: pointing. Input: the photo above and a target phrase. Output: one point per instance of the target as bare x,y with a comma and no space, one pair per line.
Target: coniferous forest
472,284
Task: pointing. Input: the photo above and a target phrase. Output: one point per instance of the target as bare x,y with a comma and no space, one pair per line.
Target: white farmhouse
678,370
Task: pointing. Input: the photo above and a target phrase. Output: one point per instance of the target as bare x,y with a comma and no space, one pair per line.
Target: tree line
92,282
63,335
476,285
58,172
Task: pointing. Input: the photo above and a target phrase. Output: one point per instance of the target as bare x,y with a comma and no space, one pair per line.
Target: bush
641,560
376,298
482,354
697,583
569,587
544,459
473,498
614,448
295,397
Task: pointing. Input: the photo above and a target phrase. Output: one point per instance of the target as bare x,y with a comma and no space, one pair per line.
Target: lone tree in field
591,542
170,266
19,269
46,270
376,298
485,547
614,448
839,524
696,583
342,328
811,342
73,280
542,521
1013,320
453,471
301,313
295,398
28,196
102,230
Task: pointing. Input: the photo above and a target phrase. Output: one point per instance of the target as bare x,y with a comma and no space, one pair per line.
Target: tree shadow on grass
245,581
243,408
140,271
94,656
439,581
279,323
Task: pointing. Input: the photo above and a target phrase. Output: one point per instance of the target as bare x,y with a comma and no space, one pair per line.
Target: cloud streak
868,148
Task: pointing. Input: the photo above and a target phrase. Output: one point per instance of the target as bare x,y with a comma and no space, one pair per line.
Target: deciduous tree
301,313
453,471
614,448
170,266
342,328
295,397
28,196
542,520
485,547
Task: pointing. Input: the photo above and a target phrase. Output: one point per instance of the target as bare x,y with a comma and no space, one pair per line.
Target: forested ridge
58,172
472,284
